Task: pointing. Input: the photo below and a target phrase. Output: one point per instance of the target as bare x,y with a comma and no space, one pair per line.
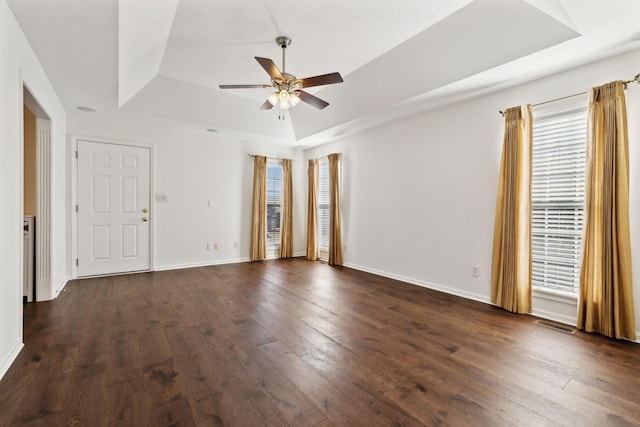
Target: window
274,197
558,179
323,205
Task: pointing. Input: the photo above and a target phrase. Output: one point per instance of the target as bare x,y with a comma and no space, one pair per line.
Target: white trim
152,207
201,264
216,262
43,284
43,211
20,233
551,315
273,252
424,284
73,199
544,314
637,341
555,295
11,357
59,290
545,300
72,221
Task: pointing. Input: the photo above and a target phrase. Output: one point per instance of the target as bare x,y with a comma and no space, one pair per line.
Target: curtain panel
605,303
259,210
312,212
286,214
335,237
511,264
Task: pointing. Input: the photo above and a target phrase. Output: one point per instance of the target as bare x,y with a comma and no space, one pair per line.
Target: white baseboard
13,354
214,262
544,314
556,317
200,264
61,288
424,284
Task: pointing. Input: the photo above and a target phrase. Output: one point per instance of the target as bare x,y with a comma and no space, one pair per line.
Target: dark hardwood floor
298,343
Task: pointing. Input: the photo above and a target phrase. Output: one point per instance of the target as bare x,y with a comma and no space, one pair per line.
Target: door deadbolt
145,210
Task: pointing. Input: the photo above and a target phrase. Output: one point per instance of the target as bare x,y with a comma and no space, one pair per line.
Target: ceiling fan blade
266,106
241,86
270,67
324,79
311,100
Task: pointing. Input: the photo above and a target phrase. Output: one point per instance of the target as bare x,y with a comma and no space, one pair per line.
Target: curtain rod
275,158
636,79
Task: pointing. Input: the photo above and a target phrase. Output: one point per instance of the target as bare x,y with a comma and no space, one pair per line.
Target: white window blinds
274,196
323,204
558,179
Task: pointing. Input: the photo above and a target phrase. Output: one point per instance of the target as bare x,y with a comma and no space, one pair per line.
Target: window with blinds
274,196
323,204
558,180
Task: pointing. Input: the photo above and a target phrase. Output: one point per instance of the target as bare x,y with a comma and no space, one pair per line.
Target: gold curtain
312,214
335,238
605,304
286,213
259,209
511,265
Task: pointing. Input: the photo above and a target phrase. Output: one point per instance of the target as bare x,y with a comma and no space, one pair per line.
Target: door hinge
77,262
76,154
76,208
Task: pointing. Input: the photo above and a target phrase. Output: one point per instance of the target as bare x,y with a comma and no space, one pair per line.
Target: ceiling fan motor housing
283,41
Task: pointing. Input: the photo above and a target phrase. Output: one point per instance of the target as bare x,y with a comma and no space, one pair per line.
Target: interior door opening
36,209
29,205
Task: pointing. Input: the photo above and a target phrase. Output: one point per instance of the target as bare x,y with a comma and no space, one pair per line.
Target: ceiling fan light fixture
286,87
294,99
284,95
273,98
285,105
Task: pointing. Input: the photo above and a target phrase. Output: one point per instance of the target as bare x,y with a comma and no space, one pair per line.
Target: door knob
145,210
144,218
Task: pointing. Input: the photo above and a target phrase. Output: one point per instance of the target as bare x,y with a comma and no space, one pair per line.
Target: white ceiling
166,58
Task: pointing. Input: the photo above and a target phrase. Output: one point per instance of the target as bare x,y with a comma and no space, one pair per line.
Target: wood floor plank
297,343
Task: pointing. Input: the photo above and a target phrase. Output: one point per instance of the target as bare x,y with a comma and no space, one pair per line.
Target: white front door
113,208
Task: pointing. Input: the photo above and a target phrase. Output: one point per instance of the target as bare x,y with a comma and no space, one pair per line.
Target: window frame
561,211
273,241
323,250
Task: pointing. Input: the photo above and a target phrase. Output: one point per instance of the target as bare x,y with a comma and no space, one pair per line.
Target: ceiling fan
288,87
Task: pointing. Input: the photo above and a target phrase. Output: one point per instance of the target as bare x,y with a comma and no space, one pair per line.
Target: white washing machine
28,276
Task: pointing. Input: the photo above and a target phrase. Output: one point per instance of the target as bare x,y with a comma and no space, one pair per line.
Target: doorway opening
36,198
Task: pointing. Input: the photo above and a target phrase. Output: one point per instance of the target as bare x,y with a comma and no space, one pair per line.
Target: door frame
73,148
44,287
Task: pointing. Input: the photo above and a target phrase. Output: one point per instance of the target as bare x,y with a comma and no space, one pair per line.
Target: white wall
18,64
192,166
418,195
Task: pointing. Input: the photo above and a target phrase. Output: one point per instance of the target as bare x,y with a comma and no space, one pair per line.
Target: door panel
113,194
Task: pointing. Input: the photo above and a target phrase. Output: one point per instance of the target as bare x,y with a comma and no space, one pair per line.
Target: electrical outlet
215,247
209,246
475,271
236,245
